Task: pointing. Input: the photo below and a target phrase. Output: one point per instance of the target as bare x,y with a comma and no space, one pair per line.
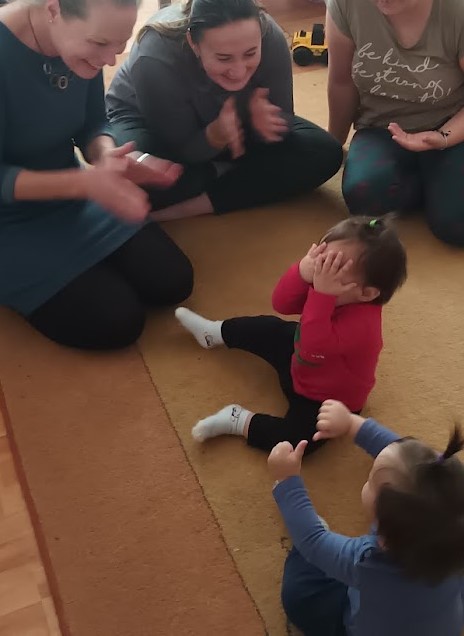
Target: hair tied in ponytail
455,444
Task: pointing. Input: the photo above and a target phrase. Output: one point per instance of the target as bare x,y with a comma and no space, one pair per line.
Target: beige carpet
145,533
238,259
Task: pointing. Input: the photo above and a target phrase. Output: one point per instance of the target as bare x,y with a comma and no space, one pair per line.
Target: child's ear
369,294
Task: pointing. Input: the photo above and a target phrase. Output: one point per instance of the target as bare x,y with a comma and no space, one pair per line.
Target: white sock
230,420
206,332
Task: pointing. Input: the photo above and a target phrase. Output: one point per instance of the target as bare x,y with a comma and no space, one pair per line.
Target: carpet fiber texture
145,532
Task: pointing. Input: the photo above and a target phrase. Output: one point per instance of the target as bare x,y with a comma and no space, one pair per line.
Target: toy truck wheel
325,58
302,56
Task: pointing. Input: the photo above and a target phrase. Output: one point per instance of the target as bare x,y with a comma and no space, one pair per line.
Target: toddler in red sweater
339,289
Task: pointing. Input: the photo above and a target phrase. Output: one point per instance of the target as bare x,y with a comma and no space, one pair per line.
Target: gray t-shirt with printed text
419,88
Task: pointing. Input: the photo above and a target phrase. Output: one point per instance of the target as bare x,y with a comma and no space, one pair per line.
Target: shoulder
452,10
157,51
364,311
272,31
9,43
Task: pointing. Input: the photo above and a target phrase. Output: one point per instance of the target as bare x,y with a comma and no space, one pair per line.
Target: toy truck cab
310,46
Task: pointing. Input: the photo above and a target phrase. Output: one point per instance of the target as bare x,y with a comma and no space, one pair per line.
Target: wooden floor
26,607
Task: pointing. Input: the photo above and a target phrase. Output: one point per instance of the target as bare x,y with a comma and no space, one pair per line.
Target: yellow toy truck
310,46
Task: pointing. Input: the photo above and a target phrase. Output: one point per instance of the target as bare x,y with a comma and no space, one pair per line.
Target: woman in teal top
77,259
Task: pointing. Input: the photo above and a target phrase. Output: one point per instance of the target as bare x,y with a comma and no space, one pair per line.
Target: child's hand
308,262
329,274
334,420
285,462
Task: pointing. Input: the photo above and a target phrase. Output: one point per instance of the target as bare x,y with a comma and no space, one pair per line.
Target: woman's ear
53,10
192,45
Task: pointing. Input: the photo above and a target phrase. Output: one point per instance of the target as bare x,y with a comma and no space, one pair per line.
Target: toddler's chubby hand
334,420
284,461
308,262
330,274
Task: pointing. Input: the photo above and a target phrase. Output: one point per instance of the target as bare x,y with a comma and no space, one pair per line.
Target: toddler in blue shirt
405,578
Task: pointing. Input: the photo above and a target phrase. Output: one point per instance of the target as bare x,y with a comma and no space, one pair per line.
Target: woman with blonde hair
209,84
76,257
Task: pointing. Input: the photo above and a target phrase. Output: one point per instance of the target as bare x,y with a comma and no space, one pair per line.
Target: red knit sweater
336,348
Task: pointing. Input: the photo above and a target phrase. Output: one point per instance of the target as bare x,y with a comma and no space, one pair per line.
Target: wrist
444,135
304,275
214,136
98,148
356,421
82,180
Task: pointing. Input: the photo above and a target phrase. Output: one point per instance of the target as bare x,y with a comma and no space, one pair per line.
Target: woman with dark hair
209,84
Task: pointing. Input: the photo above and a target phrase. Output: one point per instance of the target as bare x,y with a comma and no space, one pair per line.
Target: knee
450,230
103,326
178,281
118,328
331,154
123,328
292,602
368,192
321,152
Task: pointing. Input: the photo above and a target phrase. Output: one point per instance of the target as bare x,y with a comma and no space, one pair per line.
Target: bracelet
143,157
445,134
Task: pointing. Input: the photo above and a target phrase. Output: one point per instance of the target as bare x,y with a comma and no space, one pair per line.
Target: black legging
105,306
272,339
267,173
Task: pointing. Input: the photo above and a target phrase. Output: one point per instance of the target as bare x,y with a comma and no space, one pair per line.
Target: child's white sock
206,332
230,420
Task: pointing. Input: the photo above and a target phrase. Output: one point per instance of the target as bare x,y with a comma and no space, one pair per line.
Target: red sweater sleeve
290,294
323,332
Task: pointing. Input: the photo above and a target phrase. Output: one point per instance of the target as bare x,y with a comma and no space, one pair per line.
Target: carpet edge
205,499
34,516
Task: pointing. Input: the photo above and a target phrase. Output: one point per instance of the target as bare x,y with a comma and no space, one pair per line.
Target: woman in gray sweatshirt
208,84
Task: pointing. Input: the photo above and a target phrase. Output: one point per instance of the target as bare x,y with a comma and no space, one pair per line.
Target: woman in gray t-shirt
396,71
209,83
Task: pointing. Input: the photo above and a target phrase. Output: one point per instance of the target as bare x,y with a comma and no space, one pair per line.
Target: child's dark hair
383,260
421,516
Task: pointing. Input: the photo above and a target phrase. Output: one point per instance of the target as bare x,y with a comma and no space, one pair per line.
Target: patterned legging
380,176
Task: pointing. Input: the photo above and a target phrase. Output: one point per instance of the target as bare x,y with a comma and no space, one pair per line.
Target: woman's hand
226,131
110,188
266,119
152,171
417,142
284,461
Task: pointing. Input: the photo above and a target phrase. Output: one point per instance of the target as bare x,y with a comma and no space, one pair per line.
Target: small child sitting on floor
405,578
339,289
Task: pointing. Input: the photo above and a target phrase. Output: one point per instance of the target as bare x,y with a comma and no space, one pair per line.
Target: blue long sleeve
334,554
372,437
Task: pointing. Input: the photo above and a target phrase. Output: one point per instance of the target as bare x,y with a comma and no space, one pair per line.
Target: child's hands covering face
308,262
330,274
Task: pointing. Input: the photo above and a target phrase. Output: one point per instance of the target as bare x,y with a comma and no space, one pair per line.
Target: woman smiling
209,84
